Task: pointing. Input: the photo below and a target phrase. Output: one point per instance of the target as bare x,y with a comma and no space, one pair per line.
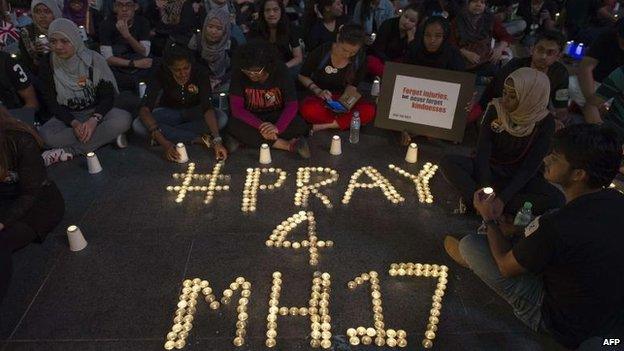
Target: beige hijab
533,90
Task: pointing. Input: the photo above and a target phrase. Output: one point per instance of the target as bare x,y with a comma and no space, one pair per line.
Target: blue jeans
524,293
180,125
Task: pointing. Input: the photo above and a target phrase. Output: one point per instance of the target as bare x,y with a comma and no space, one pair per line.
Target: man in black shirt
16,91
544,57
565,275
125,44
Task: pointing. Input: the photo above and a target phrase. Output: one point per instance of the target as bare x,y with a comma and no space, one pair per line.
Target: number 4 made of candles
280,233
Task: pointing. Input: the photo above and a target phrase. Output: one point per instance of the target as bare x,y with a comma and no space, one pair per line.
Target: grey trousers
57,134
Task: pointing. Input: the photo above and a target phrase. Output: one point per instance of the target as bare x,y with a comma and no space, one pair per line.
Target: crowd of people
76,75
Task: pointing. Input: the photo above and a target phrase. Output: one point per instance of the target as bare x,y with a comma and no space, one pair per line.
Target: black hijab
446,57
474,28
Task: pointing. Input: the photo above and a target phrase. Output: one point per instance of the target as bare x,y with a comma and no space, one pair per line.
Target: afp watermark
610,342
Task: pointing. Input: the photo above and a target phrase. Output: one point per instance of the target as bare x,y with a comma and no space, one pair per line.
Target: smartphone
336,106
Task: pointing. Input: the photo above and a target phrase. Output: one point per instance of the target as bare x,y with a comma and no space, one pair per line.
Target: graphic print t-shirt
267,98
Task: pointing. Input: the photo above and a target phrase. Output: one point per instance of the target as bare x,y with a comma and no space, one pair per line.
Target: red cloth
375,65
314,111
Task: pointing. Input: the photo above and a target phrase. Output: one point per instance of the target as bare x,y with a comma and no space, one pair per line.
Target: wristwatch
98,117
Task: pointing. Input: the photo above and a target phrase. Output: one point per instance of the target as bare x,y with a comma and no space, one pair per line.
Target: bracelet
98,118
310,84
217,140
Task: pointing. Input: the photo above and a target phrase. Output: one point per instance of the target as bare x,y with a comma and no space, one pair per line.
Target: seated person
564,275
33,49
274,27
370,14
263,102
603,57
432,47
611,88
16,90
125,44
504,11
545,55
328,72
601,17
184,113
444,8
172,21
393,39
78,12
538,15
324,28
79,91
213,47
474,30
236,32
513,140
30,203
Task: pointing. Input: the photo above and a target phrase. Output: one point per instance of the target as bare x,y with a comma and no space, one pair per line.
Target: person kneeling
330,71
79,90
264,103
30,204
565,275
185,112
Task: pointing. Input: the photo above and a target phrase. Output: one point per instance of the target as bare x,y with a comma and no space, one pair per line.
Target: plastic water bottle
354,135
524,215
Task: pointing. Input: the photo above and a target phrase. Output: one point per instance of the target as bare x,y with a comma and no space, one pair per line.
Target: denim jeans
524,293
180,125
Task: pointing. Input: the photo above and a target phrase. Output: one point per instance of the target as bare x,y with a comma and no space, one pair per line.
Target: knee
51,137
120,121
308,108
471,247
138,127
367,113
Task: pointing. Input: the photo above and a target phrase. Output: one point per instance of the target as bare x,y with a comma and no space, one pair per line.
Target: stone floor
120,292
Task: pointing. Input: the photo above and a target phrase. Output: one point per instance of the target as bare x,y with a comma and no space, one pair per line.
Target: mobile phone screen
336,106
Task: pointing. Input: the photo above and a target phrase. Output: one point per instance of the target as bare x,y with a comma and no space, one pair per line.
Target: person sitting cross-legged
564,275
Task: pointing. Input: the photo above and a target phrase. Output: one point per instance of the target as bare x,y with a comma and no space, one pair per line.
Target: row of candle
421,181
277,238
252,185
304,188
379,181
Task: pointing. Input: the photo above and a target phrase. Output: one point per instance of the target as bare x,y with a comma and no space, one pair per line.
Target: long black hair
7,148
283,25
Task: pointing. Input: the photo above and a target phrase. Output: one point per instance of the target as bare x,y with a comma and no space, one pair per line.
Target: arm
532,161
237,105
297,57
290,107
32,176
484,151
29,96
585,76
610,88
61,112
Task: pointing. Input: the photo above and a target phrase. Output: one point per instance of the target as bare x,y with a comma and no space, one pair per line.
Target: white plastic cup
488,192
265,154
182,152
93,163
142,88
375,88
336,146
76,240
412,153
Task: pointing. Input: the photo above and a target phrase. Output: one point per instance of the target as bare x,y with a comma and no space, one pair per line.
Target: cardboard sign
424,101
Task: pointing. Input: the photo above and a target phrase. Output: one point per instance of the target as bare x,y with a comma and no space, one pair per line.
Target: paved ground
120,293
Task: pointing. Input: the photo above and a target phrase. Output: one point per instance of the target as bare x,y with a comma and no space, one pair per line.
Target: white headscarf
71,76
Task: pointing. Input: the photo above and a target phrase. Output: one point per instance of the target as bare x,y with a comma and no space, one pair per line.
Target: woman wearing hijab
30,203
79,90
474,30
214,46
432,47
77,11
33,37
514,138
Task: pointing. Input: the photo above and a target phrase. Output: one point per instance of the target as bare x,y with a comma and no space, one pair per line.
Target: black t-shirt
284,46
110,36
319,34
557,75
265,99
318,67
606,49
389,45
13,78
196,92
578,252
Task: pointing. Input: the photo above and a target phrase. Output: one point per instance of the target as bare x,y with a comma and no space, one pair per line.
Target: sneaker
121,141
301,147
55,155
451,246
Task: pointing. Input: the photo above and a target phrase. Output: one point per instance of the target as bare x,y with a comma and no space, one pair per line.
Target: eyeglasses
253,73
